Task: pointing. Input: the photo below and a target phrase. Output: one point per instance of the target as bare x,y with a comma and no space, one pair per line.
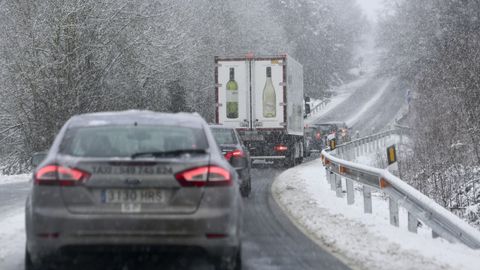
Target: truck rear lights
234,153
280,148
55,175
205,176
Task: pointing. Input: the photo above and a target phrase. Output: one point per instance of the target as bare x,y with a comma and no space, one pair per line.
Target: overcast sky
371,7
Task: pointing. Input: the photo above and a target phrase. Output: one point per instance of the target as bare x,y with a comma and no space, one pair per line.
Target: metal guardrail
320,106
442,222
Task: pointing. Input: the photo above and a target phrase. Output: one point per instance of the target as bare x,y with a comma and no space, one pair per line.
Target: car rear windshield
224,136
124,141
327,128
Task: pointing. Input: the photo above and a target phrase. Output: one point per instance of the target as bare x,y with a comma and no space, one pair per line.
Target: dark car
314,139
236,153
337,129
135,180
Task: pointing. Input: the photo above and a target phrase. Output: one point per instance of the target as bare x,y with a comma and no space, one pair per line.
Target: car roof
220,126
143,117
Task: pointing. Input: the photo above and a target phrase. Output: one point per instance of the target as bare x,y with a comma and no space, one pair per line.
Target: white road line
350,122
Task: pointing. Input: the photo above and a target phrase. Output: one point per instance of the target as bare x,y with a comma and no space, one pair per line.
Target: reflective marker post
391,154
332,144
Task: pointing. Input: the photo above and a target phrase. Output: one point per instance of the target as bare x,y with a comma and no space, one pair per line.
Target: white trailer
262,97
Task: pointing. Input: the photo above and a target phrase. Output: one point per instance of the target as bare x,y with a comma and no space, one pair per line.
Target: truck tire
290,160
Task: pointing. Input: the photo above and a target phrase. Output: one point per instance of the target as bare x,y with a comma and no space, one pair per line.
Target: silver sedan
134,179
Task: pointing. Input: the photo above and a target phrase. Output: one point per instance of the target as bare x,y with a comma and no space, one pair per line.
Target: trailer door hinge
282,104
218,85
283,84
258,124
283,124
219,105
218,65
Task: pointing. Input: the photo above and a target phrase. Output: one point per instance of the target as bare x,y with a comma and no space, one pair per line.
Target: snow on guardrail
442,222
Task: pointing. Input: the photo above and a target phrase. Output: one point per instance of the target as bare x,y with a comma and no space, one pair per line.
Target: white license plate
132,196
253,137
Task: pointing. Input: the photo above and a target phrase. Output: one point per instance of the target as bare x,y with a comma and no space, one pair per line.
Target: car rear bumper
215,231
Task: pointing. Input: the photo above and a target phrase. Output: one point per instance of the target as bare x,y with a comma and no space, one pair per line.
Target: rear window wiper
169,153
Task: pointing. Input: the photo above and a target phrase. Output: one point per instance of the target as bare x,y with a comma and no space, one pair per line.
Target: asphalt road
270,240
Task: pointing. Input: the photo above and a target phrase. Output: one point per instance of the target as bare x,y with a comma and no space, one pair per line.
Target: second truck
262,97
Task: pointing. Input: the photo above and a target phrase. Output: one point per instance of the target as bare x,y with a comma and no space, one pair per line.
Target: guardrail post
350,192
367,200
338,185
332,181
412,223
393,206
357,149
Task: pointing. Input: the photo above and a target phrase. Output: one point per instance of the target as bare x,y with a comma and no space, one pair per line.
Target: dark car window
327,128
123,141
224,136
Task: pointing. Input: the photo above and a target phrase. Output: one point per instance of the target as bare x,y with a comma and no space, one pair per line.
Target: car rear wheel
246,188
232,262
30,265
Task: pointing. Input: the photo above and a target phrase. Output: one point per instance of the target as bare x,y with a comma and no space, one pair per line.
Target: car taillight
204,176
234,153
318,135
55,175
280,148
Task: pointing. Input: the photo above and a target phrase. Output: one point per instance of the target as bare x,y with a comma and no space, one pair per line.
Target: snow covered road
371,106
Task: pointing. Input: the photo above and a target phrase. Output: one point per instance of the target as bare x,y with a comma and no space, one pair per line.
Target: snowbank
19,178
12,236
365,241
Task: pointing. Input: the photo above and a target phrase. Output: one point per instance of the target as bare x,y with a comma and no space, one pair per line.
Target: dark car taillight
55,175
318,135
204,177
280,148
234,153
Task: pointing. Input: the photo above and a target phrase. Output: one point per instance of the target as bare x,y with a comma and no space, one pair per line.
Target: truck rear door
268,108
233,87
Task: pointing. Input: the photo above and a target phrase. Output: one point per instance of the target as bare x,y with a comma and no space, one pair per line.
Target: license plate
253,137
132,196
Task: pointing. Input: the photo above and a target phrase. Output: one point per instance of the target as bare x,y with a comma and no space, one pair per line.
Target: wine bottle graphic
232,96
269,98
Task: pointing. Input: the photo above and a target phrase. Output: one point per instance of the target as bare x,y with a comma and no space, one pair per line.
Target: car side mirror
307,109
37,158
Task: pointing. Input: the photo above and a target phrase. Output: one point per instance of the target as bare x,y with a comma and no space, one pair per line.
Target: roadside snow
365,241
12,235
19,178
